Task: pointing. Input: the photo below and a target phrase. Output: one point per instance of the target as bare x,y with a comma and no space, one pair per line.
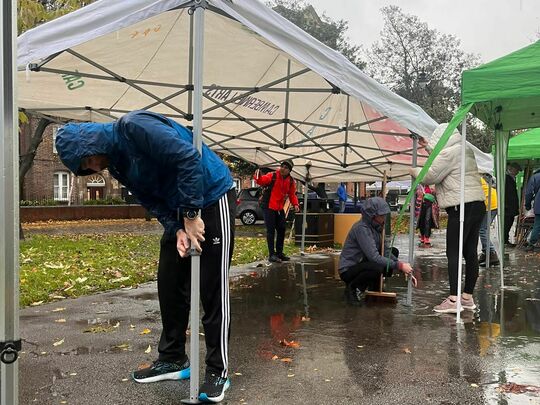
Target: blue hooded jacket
154,158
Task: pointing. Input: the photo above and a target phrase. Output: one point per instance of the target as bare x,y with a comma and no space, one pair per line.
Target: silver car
247,206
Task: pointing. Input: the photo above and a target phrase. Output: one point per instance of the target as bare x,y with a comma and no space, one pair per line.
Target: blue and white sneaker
162,371
213,388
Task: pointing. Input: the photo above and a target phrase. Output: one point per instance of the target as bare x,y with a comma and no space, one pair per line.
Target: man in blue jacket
154,158
342,196
361,262
530,195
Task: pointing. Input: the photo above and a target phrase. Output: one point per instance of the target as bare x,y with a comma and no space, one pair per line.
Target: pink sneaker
468,304
447,307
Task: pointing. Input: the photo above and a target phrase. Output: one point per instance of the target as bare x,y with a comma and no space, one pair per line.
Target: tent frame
258,125
10,342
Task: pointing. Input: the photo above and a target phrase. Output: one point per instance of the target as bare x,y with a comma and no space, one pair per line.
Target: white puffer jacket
445,171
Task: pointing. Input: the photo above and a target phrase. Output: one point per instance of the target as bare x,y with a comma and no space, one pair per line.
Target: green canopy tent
505,95
525,146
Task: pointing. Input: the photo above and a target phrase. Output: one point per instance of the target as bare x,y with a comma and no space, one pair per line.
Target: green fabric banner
458,117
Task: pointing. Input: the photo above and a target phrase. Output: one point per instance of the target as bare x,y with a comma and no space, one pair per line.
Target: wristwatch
191,214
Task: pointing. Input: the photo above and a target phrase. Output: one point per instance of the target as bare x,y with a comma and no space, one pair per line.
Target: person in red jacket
277,186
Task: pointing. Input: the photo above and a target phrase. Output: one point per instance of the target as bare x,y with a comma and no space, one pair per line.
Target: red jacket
282,188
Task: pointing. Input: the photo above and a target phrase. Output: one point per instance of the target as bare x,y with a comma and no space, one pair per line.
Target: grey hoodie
364,239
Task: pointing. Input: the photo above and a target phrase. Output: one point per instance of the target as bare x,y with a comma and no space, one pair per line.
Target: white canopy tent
271,91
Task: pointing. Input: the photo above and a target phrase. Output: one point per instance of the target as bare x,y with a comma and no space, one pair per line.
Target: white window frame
61,185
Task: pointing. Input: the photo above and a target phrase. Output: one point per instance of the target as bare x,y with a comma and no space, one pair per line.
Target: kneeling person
361,262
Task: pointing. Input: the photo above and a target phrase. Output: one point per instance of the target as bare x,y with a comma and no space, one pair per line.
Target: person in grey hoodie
361,262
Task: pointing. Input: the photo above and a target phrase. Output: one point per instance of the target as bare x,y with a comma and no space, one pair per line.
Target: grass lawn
57,267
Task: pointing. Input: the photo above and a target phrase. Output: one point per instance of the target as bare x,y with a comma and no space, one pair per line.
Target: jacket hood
77,141
436,136
375,206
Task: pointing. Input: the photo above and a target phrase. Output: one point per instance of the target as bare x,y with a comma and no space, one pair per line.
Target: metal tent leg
198,12
9,210
411,224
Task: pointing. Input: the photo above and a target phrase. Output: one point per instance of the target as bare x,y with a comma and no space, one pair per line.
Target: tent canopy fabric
506,91
271,91
525,146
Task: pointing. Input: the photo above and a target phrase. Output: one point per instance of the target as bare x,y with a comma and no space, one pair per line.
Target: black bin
319,229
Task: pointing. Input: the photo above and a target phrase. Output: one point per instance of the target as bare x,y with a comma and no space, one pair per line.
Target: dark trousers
275,228
508,222
474,214
366,274
174,288
425,219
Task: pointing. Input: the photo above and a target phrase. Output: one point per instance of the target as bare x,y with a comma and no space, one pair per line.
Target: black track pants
174,276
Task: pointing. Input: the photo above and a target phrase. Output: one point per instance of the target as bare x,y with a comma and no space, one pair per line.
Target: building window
54,133
61,186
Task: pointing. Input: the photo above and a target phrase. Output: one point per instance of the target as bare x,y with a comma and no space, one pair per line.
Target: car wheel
248,217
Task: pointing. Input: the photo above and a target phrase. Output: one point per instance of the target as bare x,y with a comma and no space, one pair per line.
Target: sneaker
493,259
352,295
161,371
447,307
468,304
214,387
283,257
482,258
359,294
274,259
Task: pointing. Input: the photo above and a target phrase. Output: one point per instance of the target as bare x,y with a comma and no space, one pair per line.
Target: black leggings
366,274
474,214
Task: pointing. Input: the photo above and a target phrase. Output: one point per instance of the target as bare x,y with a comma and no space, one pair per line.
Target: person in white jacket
445,174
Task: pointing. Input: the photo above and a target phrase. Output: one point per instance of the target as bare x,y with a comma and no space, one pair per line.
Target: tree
329,32
31,13
409,50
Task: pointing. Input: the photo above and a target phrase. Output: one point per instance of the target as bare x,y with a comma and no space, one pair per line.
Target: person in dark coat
361,262
511,200
532,191
154,157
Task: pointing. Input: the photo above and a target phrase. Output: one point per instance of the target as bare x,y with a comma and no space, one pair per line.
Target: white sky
490,28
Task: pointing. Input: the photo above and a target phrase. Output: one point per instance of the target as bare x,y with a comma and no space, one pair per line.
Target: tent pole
501,140
286,120
9,209
461,216
304,214
198,64
411,223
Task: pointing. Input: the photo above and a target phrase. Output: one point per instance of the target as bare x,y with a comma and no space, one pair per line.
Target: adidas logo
217,241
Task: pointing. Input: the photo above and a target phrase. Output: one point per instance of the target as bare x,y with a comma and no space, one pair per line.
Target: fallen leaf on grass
35,304
123,346
145,331
407,350
58,309
58,343
148,350
286,360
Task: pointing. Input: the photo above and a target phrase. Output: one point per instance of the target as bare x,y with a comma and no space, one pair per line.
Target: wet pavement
295,341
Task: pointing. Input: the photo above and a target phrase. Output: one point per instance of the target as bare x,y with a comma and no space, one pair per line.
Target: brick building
48,179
